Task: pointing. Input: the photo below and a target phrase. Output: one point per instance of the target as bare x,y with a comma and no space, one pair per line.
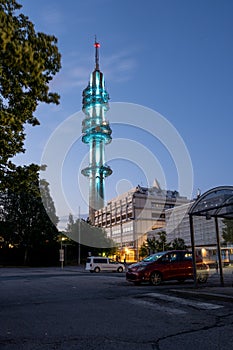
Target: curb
204,295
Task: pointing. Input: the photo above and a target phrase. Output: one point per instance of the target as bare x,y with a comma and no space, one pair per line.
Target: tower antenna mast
97,46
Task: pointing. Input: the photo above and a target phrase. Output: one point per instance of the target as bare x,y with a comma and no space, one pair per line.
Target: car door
164,266
188,264
105,264
176,265
113,265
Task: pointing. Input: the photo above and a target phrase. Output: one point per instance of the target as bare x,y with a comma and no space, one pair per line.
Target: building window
157,205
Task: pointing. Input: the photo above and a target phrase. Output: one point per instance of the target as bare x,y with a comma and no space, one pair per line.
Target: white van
99,263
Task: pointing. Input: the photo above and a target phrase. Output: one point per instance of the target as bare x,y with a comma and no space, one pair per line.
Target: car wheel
202,278
120,269
155,278
97,269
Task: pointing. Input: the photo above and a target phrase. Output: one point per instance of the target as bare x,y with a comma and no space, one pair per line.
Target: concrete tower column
96,133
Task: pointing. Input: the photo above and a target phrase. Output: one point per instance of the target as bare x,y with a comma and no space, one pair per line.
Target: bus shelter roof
217,202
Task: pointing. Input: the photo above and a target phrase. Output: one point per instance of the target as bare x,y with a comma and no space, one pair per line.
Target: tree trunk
25,256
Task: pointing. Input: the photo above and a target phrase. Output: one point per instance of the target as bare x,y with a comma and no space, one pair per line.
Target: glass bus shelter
215,203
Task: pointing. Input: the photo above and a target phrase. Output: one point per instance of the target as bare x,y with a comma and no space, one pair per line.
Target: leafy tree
28,62
144,251
160,244
94,239
48,201
178,244
70,223
152,245
24,220
227,232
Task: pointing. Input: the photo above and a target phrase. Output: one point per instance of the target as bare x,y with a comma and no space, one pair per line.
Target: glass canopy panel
227,210
216,202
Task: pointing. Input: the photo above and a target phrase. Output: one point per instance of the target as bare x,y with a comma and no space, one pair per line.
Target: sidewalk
209,293
212,290
29,271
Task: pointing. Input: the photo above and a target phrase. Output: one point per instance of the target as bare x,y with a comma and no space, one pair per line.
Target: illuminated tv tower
96,133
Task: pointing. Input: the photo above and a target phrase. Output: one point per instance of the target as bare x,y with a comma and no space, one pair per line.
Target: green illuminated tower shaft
96,133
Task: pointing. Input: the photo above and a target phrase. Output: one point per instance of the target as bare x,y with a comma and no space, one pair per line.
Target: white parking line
168,309
182,301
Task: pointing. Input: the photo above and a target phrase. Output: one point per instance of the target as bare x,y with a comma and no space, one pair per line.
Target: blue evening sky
173,56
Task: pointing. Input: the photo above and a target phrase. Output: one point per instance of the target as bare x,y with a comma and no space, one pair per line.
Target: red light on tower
97,46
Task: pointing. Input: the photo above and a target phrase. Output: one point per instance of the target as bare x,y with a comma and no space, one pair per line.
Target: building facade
178,226
128,217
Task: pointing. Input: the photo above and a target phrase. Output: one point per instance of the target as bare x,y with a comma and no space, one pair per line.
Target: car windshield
153,257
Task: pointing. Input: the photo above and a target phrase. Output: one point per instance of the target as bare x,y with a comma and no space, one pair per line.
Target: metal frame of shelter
215,203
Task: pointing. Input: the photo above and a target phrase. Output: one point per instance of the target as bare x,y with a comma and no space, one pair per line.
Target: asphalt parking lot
54,308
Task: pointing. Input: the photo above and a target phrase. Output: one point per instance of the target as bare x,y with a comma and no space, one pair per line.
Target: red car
164,266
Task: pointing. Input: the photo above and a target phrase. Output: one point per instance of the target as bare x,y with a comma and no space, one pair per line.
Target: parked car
164,266
99,263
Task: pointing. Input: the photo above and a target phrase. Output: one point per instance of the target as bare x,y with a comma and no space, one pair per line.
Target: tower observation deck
97,133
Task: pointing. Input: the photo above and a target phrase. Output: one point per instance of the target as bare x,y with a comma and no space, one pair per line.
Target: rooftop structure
96,133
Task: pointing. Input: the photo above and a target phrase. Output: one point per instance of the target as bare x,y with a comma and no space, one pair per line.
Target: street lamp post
62,253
